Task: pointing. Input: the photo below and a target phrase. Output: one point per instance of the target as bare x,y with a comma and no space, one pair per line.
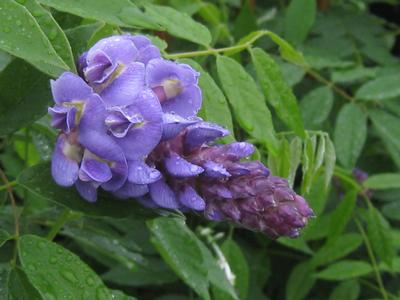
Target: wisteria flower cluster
128,124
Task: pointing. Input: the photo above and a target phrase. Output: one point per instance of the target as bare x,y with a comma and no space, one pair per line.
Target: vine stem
373,259
62,219
8,187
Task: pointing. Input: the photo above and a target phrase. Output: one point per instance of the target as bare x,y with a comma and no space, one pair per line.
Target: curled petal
163,195
215,170
187,103
69,87
141,173
94,169
131,190
202,133
189,198
87,190
174,124
119,171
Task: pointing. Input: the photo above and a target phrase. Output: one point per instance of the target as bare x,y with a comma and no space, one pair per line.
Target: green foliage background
313,84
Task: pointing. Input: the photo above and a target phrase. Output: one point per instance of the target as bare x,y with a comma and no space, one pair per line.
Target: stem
62,219
15,213
373,259
376,288
7,185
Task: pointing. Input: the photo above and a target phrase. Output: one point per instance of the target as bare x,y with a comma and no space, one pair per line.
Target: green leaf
354,74
383,181
337,248
57,273
19,287
116,12
350,134
329,160
215,107
4,237
342,214
276,91
24,96
286,50
387,125
300,17
308,163
295,150
247,102
349,290
39,181
239,266
22,36
345,269
53,31
118,295
316,106
392,210
300,281
169,236
103,31
4,274
179,24
379,234
298,244
381,88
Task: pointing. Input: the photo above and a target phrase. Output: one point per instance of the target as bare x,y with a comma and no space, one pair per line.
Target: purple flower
175,86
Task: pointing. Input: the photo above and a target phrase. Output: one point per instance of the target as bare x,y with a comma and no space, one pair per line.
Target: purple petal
162,195
180,167
202,133
147,54
70,87
124,85
87,190
173,124
191,199
140,41
146,201
186,104
64,163
94,169
131,190
119,172
141,173
100,69
215,170
81,63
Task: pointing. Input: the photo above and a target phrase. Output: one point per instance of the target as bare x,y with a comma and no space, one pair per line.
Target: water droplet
69,276
6,29
53,260
53,34
89,281
31,268
19,23
41,245
21,1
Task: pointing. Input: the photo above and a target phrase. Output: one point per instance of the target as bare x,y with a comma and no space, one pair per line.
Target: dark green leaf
38,180
276,91
381,88
300,281
329,161
316,106
392,210
350,134
58,273
348,290
247,102
298,244
345,269
387,125
19,287
169,236
299,19
350,75
22,36
4,237
179,24
24,96
342,214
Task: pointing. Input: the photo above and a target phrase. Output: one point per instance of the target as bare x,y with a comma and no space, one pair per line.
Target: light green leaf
19,286
392,210
22,36
298,244
349,290
342,214
345,269
316,106
24,96
329,161
215,107
383,181
300,281
387,125
276,91
300,17
116,12
103,31
169,236
286,50
337,248
308,163
4,237
379,234
247,102
349,75
381,88
295,150
350,134
179,24
53,31
57,273
39,181
239,266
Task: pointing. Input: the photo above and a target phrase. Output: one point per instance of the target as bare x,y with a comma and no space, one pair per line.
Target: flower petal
179,167
215,170
131,190
162,195
185,104
119,172
141,173
202,133
87,190
69,87
189,198
64,169
174,124
94,169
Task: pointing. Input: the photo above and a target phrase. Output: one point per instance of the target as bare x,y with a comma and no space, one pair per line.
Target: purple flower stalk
128,124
